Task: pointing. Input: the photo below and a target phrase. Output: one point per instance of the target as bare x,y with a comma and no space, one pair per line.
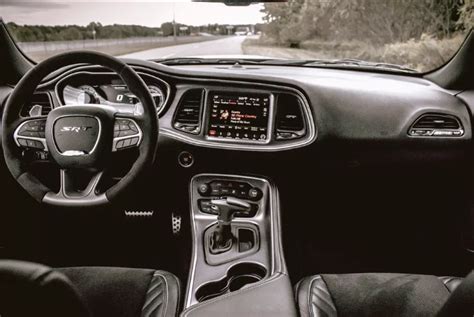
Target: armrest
271,297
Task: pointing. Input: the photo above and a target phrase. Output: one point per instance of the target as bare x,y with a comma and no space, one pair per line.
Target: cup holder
238,276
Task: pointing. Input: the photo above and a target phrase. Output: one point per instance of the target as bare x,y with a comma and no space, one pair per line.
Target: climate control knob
203,189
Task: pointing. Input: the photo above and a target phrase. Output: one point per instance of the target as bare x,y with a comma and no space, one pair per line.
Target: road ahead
227,46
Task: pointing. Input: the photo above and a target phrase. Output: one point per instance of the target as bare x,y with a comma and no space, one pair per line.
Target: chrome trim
119,138
159,110
77,151
74,153
42,140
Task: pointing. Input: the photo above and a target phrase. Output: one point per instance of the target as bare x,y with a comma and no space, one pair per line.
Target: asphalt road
227,46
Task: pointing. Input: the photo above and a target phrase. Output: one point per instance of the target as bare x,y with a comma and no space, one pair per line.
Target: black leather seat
384,294
29,289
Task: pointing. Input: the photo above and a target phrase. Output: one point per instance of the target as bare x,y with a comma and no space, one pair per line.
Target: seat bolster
451,282
162,297
314,298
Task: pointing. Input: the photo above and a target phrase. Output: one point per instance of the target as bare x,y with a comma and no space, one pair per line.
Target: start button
185,159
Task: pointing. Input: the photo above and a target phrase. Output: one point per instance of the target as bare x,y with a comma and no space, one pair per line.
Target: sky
147,13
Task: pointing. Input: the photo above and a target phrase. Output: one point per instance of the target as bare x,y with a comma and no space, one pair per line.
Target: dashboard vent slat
188,114
289,117
436,125
40,104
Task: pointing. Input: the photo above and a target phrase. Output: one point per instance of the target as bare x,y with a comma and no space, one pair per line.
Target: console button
255,193
225,191
205,206
203,189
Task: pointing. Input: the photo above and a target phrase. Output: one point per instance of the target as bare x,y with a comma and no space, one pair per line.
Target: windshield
408,35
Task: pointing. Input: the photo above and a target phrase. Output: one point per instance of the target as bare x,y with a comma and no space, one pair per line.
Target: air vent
188,115
433,124
290,122
39,105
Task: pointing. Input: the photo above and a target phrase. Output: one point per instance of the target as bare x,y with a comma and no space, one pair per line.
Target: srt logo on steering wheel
75,129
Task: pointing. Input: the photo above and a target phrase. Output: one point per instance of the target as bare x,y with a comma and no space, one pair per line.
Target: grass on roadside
426,54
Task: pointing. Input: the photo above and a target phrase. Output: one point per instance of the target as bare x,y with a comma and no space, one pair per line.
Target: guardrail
29,47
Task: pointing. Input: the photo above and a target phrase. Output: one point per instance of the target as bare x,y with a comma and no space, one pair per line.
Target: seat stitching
324,299
166,286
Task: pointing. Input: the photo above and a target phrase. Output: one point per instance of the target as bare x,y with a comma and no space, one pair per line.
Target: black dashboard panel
339,105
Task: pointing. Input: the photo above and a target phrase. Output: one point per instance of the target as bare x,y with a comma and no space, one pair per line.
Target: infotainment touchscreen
238,116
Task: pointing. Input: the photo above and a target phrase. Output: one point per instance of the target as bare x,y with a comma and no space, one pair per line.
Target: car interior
342,191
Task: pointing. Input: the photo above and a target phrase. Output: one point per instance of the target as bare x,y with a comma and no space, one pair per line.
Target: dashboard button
185,159
254,193
203,189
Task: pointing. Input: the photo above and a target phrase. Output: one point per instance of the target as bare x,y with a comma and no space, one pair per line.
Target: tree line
95,30
377,22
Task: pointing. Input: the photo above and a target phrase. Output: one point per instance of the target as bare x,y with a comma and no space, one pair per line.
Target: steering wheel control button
33,128
185,159
126,134
126,142
134,141
23,142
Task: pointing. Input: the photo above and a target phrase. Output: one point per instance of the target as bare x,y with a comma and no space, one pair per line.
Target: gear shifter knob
226,208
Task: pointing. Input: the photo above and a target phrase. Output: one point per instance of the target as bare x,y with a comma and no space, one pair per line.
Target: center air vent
188,114
289,117
39,105
434,124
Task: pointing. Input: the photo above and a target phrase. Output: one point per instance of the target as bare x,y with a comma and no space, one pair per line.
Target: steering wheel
79,137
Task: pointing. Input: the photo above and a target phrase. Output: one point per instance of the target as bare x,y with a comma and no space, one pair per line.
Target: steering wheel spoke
69,192
30,134
127,133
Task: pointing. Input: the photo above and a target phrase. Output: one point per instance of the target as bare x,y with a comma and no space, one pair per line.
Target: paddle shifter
226,208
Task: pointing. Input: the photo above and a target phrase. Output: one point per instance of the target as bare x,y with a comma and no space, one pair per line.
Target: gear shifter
226,208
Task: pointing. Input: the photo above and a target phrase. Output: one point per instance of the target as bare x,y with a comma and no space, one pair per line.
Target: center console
237,258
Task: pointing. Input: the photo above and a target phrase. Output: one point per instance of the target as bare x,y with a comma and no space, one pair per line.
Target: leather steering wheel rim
147,121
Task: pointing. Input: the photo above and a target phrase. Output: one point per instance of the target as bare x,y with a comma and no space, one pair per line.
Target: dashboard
274,108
